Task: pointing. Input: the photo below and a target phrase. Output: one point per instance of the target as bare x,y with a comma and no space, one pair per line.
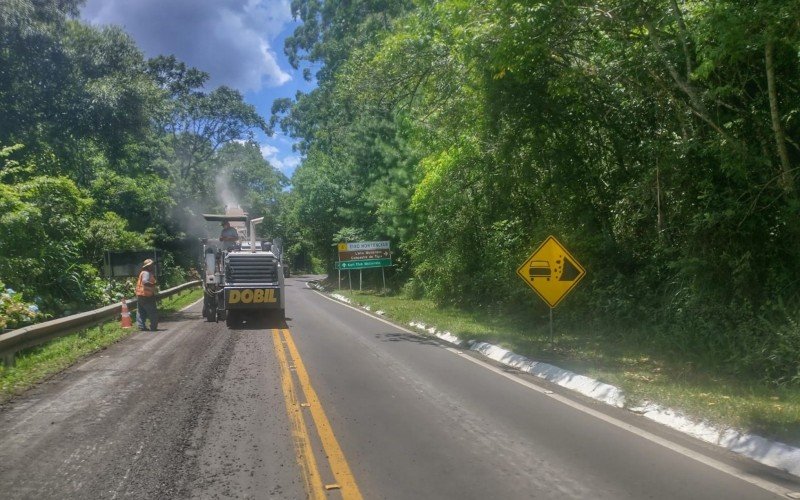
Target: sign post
552,272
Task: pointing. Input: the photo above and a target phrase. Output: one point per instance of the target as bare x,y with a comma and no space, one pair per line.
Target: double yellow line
316,488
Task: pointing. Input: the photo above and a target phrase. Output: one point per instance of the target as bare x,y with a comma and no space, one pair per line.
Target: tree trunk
787,180
696,104
685,43
660,216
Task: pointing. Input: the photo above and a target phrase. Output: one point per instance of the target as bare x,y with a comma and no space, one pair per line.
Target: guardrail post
8,359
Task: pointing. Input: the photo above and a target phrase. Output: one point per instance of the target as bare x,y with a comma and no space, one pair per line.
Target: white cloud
268,151
229,39
286,164
290,163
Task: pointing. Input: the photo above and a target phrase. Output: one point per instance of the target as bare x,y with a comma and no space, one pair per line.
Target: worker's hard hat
148,262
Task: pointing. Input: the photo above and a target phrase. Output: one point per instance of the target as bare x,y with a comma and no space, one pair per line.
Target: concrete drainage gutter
771,453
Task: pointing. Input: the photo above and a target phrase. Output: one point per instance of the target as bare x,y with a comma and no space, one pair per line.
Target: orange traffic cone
125,321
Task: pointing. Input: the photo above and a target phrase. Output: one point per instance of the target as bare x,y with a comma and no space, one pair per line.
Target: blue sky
238,42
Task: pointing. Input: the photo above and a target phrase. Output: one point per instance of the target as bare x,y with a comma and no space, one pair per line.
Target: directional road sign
364,245
551,271
364,264
365,255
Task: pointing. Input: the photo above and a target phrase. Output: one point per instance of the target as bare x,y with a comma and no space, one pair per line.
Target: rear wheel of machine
278,316
210,308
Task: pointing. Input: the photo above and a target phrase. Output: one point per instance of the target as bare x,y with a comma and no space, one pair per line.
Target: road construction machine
242,278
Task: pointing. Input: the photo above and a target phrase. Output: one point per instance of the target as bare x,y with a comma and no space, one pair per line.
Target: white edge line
715,464
193,304
720,466
365,313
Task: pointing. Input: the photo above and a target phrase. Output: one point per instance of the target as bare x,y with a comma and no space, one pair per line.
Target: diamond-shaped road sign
551,271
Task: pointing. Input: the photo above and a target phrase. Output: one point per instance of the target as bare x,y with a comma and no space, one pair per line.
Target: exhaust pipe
253,223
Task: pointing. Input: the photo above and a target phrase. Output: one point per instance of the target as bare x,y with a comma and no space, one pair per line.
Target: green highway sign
364,264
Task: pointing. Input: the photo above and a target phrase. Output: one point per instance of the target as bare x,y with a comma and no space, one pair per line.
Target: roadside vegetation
643,371
658,140
38,363
103,149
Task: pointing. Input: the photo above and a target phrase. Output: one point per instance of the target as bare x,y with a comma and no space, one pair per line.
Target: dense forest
103,149
658,139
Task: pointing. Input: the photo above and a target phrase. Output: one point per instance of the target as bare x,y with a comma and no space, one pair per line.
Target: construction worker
229,235
146,296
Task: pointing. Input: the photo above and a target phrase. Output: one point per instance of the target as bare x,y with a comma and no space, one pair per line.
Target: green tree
245,178
657,139
69,90
199,125
41,246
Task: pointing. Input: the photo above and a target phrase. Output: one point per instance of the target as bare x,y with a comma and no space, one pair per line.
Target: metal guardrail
31,336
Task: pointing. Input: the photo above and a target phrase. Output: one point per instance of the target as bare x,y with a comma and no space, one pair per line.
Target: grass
38,363
644,375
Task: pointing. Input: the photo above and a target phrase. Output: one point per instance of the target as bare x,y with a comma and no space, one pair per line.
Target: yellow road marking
338,462
302,442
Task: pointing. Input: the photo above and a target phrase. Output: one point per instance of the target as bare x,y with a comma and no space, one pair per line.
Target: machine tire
210,308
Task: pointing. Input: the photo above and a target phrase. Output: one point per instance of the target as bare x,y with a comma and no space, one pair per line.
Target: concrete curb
764,451
771,453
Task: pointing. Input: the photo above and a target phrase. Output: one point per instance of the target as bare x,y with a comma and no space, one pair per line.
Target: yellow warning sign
551,271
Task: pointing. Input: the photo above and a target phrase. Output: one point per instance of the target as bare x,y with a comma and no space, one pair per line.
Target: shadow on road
180,316
246,323
405,337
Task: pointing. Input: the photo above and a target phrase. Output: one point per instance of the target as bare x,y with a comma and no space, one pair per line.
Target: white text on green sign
364,264
365,255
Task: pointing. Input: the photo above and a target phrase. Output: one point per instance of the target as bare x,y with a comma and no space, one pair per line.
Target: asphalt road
337,404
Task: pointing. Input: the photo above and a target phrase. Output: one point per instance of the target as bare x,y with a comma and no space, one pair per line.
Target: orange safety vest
144,291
